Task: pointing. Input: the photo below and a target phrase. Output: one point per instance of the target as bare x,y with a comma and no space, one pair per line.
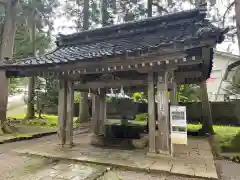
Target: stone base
160,154
97,140
140,143
68,145
65,145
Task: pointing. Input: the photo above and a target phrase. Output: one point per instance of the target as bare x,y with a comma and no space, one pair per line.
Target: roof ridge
63,40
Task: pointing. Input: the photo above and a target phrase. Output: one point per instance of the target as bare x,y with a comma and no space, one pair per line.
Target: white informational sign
178,124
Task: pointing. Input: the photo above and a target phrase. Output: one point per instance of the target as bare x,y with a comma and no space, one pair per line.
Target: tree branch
225,13
160,7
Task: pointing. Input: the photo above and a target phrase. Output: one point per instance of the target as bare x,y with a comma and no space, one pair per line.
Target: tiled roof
143,35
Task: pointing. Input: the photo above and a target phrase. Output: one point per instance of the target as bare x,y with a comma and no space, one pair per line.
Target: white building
216,86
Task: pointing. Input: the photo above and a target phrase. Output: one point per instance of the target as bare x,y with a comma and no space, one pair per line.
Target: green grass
46,121
227,136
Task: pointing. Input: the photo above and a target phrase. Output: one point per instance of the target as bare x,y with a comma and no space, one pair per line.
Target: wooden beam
151,114
150,64
62,113
179,77
110,84
183,75
70,111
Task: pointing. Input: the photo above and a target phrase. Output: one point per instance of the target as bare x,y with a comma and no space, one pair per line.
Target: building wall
215,85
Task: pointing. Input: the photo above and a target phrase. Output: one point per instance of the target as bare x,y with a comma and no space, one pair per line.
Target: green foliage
23,45
234,87
76,97
141,117
108,99
13,85
188,93
139,97
236,143
48,98
47,120
114,100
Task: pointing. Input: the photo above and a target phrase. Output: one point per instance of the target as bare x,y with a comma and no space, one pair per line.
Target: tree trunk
86,15
31,83
105,16
237,12
84,115
207,124
6,51
149,10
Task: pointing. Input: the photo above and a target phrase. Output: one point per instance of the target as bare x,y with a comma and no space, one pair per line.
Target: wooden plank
151,114
70,111
62,97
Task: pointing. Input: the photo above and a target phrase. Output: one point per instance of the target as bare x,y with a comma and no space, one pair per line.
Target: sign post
178,124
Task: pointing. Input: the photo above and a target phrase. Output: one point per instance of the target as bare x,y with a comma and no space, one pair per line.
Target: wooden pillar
95,114
173,95
102,111
151,114
70,110
163,143
62,111
98,118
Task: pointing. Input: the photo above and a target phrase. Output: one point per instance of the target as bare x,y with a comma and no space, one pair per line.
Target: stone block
182,167
161,165
61,166
140,143
97,140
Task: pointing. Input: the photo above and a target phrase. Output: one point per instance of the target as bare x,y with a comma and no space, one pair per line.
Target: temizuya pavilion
155,52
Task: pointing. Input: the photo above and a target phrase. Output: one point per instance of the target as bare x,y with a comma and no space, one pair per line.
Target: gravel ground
13,166
130,175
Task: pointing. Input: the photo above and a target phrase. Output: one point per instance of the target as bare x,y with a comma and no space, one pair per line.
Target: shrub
236,143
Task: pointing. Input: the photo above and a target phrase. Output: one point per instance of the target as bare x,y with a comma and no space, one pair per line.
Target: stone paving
15,167
67,171
194,160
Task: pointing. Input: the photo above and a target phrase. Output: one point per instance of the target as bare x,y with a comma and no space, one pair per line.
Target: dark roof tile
126,38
